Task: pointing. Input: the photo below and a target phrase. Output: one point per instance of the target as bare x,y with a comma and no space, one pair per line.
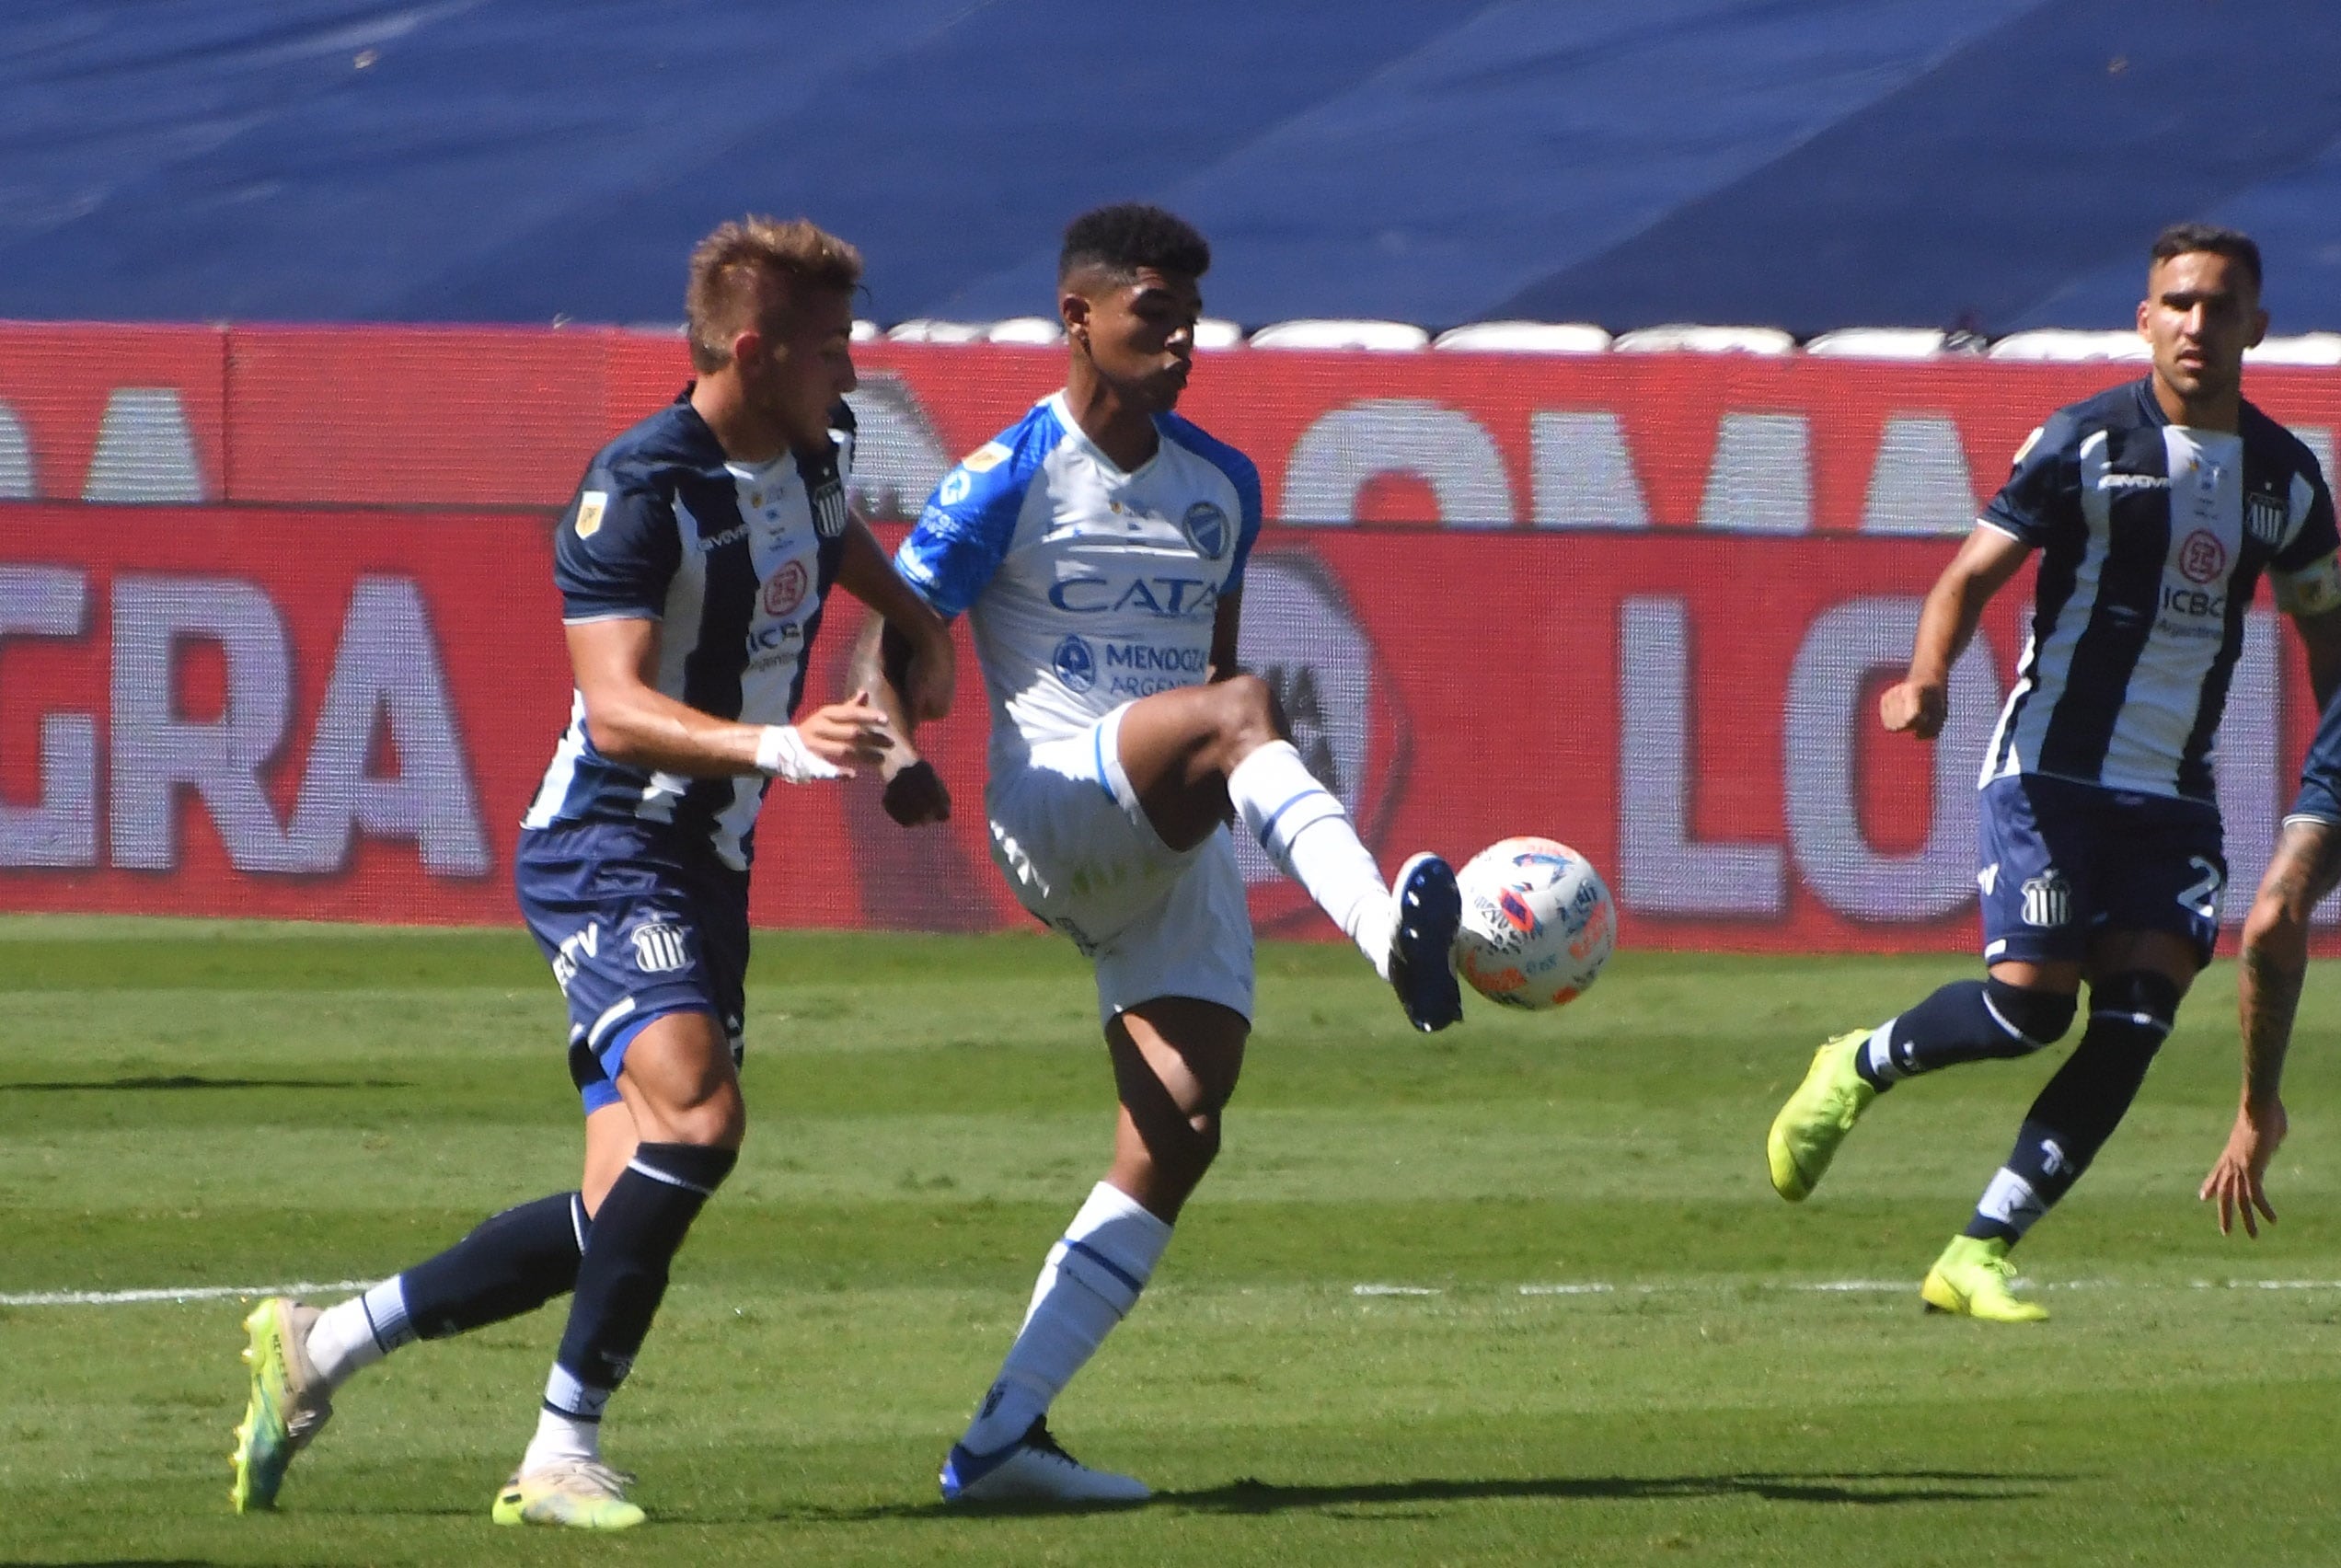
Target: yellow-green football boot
583,1494
289,1403
1806,1133
1973,1278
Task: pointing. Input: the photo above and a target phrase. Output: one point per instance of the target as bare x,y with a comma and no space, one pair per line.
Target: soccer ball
1538,923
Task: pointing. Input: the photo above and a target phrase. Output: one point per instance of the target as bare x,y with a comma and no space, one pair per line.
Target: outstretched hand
2239,1180
848,733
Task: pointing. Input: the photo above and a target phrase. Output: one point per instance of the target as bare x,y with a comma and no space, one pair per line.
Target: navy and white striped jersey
734,561
2153,538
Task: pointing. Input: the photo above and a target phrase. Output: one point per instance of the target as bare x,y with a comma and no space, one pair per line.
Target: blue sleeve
2042,496
969,523
615,550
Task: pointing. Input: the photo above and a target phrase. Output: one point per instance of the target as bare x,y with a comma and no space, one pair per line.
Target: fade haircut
2188,240
1128,235
732,271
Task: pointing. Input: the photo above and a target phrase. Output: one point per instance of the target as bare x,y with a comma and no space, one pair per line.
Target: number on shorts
2201,899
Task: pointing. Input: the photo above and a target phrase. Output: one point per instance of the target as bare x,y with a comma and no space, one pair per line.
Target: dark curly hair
1130,235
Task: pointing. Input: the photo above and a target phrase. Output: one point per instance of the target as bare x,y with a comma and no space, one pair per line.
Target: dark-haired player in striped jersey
2156,507
694,565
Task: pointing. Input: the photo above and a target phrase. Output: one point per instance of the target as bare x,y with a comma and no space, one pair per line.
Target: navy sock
635,1234
512,1263
2129,1017
1967,1020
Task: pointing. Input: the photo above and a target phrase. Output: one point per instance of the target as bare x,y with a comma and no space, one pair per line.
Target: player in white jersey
2156,508
1098,549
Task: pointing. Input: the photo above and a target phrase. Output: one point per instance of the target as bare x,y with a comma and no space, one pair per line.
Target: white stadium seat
1877,342
922,329
866,331
1213,333
1686,338
2055,345
2310,348
1040,329
1387,337
1524,338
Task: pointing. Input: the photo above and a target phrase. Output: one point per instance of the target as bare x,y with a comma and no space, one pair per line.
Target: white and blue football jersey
1084,587
2153,538
734,561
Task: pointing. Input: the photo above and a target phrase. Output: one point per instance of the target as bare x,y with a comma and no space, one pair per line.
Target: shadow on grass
183,1080
1884,1488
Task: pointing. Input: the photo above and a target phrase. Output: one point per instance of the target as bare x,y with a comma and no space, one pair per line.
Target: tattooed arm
2276,960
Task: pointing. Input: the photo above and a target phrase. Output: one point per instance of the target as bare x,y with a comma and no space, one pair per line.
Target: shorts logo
1075,664
2202,557
586,943
2047,899
2264,518
1206,527
1987,879
660,950
785,589
589,508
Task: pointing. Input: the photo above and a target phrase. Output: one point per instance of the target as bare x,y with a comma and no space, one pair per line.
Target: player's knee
2139,1004
2278,915
2038,1018
718,1122
1246,711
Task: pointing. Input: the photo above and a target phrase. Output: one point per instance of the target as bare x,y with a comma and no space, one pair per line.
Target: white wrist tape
782,753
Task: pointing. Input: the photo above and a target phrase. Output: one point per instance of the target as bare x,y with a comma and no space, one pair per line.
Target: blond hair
745,272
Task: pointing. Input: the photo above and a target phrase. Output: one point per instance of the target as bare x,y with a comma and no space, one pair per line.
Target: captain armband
2312,591
782,753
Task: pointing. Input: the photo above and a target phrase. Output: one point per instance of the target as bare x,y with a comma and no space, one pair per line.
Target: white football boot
1034,1470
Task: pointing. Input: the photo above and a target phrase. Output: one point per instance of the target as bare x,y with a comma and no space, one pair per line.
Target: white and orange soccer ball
1538,923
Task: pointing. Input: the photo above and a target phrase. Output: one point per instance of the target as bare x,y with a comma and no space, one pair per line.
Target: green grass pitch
190,1106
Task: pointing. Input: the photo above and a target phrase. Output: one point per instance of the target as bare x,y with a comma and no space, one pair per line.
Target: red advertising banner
263,711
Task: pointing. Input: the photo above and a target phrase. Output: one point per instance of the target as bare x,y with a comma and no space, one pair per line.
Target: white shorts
1075,847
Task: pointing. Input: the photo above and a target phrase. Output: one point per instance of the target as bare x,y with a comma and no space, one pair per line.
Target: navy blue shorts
636,926
2063,861
2320,796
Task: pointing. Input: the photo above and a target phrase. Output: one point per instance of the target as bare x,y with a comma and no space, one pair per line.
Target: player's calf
2130,1016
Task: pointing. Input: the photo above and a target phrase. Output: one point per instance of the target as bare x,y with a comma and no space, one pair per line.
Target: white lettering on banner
16,458
1300,637
1446,448
145,453
898,459
387,671
1661,869
1828,706
2248,767
61,829
1760,480
155,752
388,677
1580,473
1921,484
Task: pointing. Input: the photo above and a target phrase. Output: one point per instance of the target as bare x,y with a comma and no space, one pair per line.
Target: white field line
178,1292
174,1292
1850,1286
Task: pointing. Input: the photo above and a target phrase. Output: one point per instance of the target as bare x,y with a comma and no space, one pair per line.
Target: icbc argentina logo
2201,556
785,589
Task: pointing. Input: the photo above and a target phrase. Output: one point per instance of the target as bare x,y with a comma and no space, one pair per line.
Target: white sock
561,1439
358,1333
1311,840
1090,1283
